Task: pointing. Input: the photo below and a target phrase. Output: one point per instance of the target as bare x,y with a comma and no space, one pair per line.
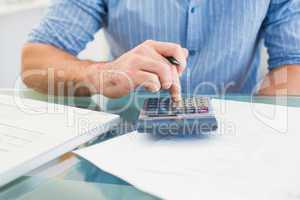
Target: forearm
52,71
282,81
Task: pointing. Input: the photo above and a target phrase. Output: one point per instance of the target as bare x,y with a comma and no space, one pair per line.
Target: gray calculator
191,116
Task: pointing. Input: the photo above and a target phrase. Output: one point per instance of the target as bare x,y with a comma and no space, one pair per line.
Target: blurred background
17,18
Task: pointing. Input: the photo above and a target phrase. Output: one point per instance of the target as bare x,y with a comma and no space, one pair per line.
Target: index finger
175,90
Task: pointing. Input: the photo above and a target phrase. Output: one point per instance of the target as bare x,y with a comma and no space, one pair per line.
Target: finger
148,80
175,90
186,52
170,49
157,66
159,57
155,55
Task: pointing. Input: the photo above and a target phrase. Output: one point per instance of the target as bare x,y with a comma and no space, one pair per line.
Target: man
217,43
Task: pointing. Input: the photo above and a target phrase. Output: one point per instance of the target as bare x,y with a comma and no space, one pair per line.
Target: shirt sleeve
70,24
282,32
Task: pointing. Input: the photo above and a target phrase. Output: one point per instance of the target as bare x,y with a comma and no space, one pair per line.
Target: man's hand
51,70
144,65
282,82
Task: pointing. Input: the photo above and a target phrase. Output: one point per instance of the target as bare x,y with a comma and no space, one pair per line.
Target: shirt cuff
276,63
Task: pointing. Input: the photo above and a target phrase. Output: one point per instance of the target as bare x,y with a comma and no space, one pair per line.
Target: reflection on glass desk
71,177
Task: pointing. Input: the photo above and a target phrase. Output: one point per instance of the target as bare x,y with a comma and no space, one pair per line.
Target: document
253,155
33,133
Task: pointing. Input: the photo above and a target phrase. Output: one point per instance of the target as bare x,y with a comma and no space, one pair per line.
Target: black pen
173,60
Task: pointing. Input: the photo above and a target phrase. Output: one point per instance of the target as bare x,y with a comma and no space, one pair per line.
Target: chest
188,22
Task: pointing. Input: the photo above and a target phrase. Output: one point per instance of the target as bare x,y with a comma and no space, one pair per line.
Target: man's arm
49,62
49,57
53,71
281,31
284,80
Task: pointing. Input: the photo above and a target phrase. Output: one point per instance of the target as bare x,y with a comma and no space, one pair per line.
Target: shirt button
192,52
193,10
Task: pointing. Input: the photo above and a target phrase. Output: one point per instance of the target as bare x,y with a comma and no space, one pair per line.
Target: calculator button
166,113
153,115
191,110
152,105
163,111
153,102
203,110
178,111
151,111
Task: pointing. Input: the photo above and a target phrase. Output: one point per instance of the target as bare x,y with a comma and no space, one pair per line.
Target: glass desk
72,178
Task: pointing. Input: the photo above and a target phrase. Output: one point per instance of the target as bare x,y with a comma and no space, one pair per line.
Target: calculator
191,116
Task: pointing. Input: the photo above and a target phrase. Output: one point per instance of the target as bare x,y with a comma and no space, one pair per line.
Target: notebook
33,133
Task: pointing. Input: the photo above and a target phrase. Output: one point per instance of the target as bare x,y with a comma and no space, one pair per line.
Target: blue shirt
224,37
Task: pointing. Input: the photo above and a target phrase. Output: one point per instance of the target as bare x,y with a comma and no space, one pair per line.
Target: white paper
253,155
31,128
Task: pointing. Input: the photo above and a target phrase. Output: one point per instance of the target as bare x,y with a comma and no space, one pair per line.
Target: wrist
90,77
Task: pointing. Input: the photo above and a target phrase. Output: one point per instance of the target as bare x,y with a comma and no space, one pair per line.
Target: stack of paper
253,155
33,133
